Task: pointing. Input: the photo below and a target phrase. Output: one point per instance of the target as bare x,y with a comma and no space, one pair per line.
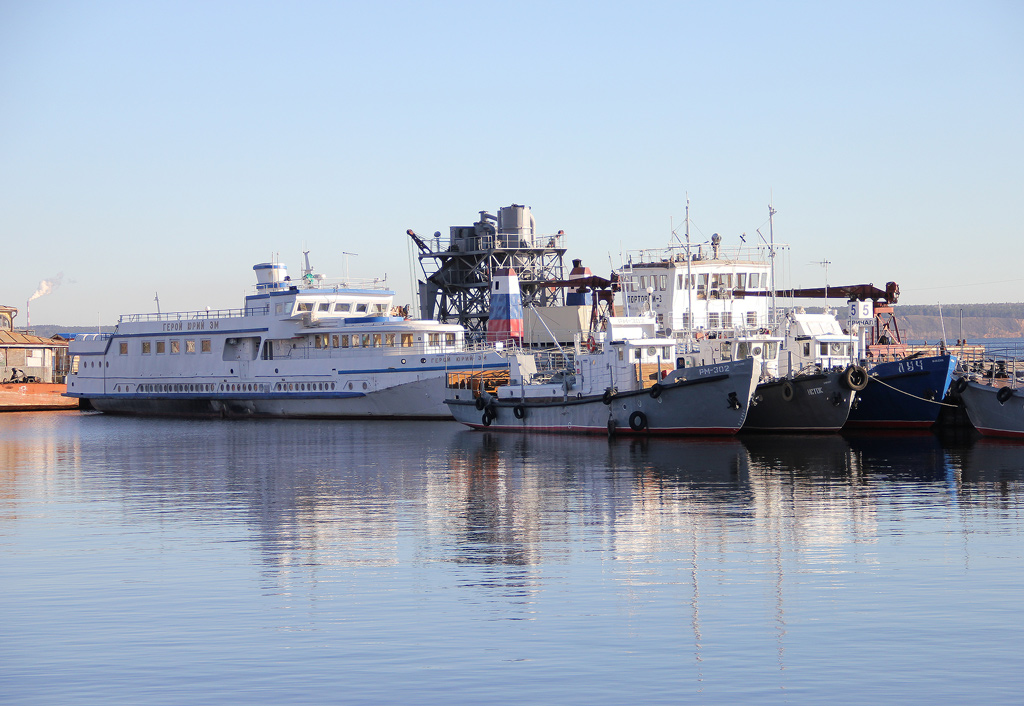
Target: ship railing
194,315
497,241
700,252
323,284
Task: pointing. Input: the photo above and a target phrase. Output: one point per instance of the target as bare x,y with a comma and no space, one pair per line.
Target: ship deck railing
194,315
700,252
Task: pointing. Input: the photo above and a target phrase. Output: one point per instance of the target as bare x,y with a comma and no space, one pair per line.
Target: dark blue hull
903,394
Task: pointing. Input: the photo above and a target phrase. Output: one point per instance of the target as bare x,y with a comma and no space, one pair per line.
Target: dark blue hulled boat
903,394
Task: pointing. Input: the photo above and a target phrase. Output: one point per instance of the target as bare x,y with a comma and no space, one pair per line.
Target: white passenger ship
303,348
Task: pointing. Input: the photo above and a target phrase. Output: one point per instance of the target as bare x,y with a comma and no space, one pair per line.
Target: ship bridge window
726,350
175,346
305,306
823,348
434,339
123,348
449,339
323,306
712,319
334,341
376,340
380,309
389,340
146,347
638,353
343,307
663,282
741,280
702,286
752,318
206,345
161,347
361,308
406,340
366,340
190,345
344,340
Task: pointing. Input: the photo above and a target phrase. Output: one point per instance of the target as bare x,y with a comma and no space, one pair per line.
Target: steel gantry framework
457,275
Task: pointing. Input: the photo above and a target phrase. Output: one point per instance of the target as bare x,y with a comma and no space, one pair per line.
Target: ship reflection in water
293,561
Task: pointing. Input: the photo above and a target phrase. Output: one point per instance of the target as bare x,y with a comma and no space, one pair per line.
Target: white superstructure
307,348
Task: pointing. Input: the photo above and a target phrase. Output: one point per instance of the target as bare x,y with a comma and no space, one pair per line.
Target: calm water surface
297,562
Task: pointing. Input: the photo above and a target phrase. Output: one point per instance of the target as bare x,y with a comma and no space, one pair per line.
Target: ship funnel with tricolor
505,319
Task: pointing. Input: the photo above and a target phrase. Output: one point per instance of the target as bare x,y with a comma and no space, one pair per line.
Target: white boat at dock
297,348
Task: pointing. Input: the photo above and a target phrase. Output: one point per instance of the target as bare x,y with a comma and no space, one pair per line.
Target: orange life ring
591,344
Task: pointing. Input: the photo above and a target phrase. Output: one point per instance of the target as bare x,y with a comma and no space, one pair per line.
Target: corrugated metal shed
14,338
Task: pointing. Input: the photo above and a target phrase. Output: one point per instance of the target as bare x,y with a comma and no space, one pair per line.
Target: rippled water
299,562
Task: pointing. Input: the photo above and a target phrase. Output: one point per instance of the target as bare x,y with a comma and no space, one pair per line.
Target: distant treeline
1011,311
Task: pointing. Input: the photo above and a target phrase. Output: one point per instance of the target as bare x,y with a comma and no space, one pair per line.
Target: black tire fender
787,391
638,421
520,411
855,378
961,385
656,390
1004,394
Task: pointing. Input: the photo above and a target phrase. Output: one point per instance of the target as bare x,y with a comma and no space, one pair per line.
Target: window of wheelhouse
449,339
434,339
343,307
305,306
323,306
175,346
146,347
161,347
361,308
123,348
702,286
406,340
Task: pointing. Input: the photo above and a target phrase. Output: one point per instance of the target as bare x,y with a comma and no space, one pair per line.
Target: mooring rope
903,392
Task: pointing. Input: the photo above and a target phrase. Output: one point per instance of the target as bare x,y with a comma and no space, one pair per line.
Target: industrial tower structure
457,277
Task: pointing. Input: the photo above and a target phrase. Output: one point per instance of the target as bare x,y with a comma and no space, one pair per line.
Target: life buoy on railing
591,344
1004,394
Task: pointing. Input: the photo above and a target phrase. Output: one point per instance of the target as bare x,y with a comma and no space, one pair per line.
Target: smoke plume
47,286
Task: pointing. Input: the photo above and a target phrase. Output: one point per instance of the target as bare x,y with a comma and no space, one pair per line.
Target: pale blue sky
169,146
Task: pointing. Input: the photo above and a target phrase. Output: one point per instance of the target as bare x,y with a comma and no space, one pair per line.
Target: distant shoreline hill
916,322
924,323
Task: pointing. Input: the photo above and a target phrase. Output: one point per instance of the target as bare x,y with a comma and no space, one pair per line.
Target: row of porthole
304,386
177,387
234,387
